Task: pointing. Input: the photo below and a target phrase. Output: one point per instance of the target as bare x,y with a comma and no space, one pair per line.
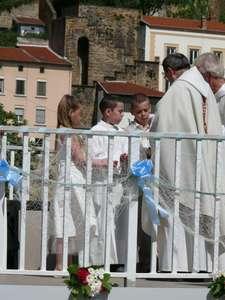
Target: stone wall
30,10
141,72
112,34
86,95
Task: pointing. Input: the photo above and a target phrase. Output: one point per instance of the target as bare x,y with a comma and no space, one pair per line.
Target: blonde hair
67,104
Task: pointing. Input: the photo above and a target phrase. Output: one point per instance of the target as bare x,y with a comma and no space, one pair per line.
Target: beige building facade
32,82
163,36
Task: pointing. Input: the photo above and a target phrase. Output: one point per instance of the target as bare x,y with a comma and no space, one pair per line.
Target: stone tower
102,43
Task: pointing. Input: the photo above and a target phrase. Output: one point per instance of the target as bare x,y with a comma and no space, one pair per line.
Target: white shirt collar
109,126
194,77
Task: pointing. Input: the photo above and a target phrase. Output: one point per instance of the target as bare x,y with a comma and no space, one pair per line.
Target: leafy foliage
9,118
193,9
8,38
146,6
217,287
10,4
42,35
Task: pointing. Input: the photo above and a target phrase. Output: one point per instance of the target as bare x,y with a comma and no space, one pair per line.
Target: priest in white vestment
188,106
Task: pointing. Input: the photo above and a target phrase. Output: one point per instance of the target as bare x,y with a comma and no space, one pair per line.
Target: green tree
9,4
10,119
148,7
8,38
193,9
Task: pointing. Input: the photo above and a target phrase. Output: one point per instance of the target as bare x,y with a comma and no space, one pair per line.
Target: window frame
221,51
41,81
2,79
20,95
193,48
37,122
18,115
171,46
166,52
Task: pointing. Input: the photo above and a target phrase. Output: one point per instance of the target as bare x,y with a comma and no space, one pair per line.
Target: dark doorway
83,53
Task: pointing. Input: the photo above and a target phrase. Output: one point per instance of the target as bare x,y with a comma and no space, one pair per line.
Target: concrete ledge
24,292
36,288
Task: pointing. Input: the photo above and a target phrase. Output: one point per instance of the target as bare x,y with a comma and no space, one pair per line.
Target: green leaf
72,269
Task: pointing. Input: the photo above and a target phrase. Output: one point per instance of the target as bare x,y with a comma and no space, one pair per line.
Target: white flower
90,279
92,287
91,270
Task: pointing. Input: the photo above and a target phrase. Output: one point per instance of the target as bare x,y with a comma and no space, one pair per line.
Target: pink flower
82,274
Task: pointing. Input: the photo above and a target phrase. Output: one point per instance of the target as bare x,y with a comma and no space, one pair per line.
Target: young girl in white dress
68,115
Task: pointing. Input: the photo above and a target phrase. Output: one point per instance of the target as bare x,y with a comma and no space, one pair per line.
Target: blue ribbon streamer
9,174
143,171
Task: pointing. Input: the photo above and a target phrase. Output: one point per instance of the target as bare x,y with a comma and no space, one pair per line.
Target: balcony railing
38,184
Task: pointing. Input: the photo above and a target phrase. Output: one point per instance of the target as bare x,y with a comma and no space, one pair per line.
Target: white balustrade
108,224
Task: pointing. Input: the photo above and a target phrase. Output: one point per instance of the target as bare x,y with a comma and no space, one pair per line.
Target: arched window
83,53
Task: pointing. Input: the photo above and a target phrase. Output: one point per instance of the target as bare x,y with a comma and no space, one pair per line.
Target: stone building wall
86,96
141,72
113,40
29,10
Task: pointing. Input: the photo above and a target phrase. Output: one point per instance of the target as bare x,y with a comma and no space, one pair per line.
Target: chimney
204,23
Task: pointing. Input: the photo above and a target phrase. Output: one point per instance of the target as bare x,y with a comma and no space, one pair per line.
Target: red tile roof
32,54
28,21
127,88
184,24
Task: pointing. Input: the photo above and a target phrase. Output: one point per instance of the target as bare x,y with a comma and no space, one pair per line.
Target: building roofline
181,24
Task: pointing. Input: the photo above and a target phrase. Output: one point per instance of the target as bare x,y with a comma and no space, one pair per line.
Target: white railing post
3,214
218,182
67,199
176,204
45,202
156,199
132,220
197,206
88,196
24,199
109,221
12,162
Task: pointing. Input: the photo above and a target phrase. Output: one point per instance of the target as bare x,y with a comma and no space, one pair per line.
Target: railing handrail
89,132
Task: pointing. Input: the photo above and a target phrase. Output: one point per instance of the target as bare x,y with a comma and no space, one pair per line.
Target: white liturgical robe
181,111
220,98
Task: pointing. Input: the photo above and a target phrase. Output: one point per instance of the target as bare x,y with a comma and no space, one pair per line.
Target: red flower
82,274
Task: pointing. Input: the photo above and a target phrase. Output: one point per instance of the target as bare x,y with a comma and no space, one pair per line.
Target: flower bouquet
87,282
217,287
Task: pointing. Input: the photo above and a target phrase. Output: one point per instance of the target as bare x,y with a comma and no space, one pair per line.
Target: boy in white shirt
141,110
112,112
143,118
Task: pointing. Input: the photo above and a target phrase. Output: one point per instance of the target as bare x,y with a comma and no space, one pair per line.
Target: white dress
75,220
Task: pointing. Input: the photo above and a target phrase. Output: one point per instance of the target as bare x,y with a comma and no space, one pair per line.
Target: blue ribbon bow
9,174
143,171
